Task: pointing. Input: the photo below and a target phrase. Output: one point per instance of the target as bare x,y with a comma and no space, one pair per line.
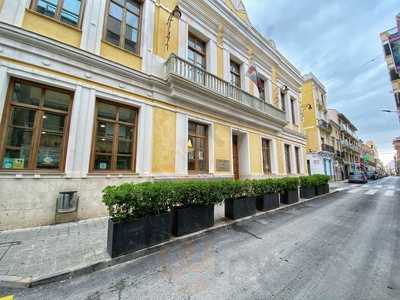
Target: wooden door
235,148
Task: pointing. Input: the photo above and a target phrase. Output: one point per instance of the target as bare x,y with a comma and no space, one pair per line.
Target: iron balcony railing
184,69
324,124
328,148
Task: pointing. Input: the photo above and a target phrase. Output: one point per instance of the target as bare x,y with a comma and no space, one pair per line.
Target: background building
391,48
396,144
100,92
320,142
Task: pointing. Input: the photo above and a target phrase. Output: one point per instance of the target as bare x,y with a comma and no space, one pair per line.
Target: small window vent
67,202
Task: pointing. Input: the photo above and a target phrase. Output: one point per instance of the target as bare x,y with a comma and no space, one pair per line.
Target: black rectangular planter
307,192
240,207
322,189
268,202
126,237
191,219
290,197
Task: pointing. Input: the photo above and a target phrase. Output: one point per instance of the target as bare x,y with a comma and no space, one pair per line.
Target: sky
338,40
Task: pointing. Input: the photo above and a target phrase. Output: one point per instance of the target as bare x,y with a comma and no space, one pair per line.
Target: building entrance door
235,149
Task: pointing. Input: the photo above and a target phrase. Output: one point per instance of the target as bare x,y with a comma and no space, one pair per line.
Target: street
342,246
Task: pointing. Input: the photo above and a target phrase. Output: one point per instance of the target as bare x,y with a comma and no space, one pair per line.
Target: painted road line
379,186
390,187
389,193
355,191
371,192
365,186
354,185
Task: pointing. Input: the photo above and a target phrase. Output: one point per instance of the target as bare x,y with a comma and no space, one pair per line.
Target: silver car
358,178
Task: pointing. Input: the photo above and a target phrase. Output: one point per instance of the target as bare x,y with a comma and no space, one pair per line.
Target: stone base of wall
29,202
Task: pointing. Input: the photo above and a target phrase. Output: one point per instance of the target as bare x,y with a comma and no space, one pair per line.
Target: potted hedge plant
140,216
267,194
307,187
289,190
322,185
240,200
194,208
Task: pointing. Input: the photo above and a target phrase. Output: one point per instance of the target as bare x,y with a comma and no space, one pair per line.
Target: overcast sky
337,40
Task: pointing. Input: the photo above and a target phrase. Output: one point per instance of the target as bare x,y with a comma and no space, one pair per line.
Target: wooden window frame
37,127
268,158
206,154
123,27
203,54
57,15
288,159
263,95
235,74
114,154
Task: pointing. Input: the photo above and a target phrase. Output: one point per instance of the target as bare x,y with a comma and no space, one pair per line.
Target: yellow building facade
321,140
100,92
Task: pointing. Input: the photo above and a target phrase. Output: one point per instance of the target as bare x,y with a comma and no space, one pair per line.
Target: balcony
328,148
176,66
324,125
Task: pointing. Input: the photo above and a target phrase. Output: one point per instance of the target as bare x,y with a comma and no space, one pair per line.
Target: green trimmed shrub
321,179
237,189
288,184
198,193
265,186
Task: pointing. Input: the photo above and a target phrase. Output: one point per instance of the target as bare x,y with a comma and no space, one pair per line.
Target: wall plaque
223,165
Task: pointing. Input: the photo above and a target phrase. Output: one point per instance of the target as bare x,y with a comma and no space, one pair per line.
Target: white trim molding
13,12
181,156
92,25
4,82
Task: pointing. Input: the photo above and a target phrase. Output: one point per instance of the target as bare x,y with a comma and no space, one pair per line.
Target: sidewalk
335,185
37,254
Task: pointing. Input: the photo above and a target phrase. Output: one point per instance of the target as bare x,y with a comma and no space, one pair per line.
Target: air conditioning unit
67,207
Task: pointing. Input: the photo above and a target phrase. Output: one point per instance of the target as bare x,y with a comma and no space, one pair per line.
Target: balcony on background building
187,71
328,148
324,125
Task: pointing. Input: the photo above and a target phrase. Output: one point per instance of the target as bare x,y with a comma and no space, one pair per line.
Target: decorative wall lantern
176,13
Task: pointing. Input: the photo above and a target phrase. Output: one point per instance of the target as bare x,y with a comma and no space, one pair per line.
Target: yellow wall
310,117
222,143
164,141
120,56
255,154
1,4
51,28
220,62
161,30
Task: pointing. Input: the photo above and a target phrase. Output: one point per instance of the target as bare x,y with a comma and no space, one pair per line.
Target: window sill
120,48
76,28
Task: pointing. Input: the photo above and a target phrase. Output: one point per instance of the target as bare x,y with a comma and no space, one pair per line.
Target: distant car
358,178
372,175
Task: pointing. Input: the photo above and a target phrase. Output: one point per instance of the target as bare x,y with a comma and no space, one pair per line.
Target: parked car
358,178
372,175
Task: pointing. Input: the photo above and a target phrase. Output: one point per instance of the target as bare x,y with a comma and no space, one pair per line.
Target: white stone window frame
144,140
79,143
273,155
267,85
182,136
244,152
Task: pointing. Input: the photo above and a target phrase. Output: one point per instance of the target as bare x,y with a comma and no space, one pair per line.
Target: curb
28,282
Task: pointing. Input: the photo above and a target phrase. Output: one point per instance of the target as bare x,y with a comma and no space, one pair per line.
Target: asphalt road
343,246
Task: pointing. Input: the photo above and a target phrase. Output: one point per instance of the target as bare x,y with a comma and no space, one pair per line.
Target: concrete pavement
343,246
